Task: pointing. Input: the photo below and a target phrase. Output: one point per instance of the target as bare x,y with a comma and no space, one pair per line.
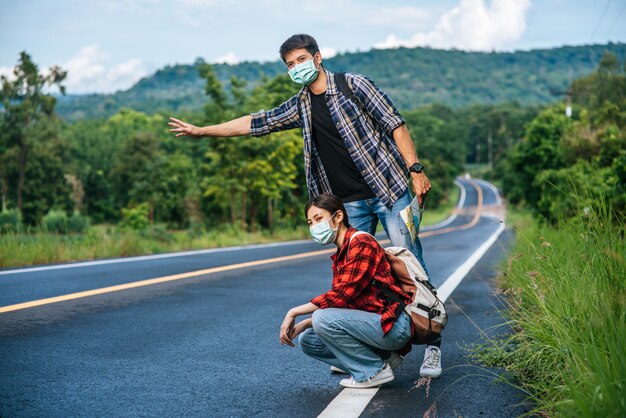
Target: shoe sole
337,370
375,385
430,376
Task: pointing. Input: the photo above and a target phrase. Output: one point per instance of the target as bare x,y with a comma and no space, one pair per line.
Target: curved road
204,340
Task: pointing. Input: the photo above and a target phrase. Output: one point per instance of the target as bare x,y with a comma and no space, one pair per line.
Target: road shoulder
465,389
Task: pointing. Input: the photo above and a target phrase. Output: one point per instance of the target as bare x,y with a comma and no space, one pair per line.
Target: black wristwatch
416,168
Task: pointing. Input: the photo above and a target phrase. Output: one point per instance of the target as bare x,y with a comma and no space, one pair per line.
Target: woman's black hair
328,202
297,42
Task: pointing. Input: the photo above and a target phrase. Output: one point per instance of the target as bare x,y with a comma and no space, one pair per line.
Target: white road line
445,290
493,189
198,252
440,224
450,219
353,403
151,257
462,199
349,403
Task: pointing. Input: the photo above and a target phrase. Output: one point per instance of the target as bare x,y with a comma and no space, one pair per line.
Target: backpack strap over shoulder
344,88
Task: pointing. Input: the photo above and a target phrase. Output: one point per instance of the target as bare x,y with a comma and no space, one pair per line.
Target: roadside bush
78,223
55,221
10,221
136,218
566,298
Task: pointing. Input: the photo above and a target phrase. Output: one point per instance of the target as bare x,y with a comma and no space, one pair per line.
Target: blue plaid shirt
368,136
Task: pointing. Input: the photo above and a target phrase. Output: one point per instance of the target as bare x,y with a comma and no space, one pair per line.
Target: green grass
443,211
103,241
565,290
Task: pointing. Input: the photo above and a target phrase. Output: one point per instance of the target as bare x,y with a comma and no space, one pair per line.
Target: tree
25,107
540,150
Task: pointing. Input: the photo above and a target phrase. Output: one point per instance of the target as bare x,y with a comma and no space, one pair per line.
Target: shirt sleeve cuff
320,302
391,122
259,125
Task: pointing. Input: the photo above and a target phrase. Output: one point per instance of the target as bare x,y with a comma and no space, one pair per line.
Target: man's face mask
304,73
322,232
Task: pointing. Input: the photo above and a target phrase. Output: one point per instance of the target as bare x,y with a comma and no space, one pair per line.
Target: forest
128,170
412,77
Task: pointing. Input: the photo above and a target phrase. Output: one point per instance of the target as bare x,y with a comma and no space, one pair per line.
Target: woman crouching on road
353,328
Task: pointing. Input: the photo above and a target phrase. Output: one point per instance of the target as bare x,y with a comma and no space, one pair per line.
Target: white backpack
427,311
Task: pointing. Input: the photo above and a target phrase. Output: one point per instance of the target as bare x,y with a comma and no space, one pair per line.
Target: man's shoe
431,366
334,369
395,360
383,376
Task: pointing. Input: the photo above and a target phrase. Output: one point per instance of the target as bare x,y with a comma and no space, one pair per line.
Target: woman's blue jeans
365,214
353,340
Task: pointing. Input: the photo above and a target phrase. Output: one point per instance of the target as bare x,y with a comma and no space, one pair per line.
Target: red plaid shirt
355,265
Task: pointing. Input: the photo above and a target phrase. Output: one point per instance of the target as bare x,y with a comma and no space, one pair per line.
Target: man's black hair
297,42
328,202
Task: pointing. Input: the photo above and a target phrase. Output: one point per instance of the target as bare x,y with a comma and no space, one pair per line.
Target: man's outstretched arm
235,127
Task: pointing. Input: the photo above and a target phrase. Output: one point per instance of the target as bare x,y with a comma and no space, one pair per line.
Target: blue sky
107,45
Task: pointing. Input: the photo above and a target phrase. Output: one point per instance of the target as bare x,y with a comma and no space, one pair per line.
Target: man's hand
421,186
183,128
287,329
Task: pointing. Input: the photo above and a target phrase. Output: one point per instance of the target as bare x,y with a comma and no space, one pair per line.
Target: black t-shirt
344,177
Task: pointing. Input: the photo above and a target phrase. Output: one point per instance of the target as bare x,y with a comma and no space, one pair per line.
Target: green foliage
31,153
561,158
136,218
540,150
55,222
10,221
78,223
438,137
562,190
412,77
566,295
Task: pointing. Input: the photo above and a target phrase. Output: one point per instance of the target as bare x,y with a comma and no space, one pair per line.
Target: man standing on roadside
357,148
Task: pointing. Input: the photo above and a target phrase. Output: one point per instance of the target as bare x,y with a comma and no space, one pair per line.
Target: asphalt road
207,345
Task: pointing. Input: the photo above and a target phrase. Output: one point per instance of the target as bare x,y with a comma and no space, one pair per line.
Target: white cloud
328,52
7,72
87,72
229,58
472,25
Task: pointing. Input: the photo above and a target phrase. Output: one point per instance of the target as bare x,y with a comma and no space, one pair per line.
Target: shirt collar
331,86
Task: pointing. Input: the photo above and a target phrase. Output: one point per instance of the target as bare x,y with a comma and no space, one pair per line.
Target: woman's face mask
323,233
304,73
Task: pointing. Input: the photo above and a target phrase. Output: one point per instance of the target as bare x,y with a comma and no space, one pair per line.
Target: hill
413,77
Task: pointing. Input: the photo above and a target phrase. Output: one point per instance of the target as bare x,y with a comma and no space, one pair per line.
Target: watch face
416,168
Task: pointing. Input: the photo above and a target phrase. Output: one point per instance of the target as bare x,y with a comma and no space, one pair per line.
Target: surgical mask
323,233
304,73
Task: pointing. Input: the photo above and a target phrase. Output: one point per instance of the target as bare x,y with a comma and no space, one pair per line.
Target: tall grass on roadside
101,241
566,295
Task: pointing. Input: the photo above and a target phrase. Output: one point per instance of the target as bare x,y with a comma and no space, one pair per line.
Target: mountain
412,76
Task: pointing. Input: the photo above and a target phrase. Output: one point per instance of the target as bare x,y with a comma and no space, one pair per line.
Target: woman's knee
310,343
322,318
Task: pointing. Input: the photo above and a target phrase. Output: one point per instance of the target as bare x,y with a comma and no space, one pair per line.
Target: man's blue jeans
353,340
365,214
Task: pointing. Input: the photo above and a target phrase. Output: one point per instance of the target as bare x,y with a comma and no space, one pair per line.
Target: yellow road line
157,280
473,222
181,276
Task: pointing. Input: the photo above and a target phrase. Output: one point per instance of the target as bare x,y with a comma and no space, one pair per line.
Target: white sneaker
334,369
431,366
395,360
383,376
